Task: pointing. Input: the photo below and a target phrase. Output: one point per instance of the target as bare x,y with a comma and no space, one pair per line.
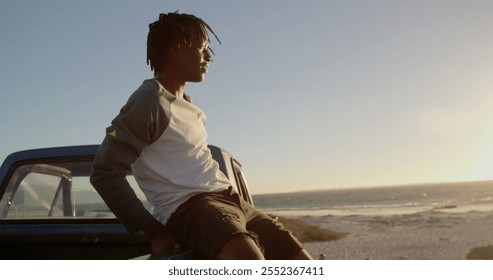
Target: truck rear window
55,190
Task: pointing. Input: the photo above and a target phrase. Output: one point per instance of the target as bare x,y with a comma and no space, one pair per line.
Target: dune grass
309,233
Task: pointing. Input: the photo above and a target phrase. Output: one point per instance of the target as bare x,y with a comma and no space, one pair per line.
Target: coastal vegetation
309,233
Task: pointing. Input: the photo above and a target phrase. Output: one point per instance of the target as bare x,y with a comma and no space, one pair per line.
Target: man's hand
161,239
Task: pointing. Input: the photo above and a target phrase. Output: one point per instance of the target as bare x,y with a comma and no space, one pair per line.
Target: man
160,136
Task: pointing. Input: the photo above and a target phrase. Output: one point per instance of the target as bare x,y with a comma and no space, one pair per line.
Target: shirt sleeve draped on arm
140,122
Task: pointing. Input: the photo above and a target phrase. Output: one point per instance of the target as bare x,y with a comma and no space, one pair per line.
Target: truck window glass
56,190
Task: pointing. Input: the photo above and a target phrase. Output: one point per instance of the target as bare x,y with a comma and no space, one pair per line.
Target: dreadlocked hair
172,29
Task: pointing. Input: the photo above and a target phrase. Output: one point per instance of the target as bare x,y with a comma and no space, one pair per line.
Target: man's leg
212,226
278,242
303,255
240,247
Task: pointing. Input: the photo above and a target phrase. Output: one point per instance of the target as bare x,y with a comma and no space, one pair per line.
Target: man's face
192,62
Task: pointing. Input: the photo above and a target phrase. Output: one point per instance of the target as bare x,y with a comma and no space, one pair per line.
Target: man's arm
110,167
131,131
108,178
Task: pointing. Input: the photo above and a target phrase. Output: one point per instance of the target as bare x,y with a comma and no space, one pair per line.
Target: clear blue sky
307,94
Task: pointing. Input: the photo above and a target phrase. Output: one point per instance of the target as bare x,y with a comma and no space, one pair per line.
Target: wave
344,207
406,198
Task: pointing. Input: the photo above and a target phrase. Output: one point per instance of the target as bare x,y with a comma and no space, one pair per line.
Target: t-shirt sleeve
140,122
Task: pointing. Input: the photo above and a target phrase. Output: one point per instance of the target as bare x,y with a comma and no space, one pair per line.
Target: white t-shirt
178,164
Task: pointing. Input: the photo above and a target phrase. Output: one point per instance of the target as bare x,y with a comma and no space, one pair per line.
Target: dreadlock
172,29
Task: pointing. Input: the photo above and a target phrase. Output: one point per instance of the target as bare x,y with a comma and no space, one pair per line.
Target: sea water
467,196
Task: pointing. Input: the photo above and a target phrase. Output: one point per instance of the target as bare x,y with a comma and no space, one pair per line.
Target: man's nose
207,56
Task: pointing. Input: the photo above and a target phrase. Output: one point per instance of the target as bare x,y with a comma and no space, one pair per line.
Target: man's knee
240,247
278,241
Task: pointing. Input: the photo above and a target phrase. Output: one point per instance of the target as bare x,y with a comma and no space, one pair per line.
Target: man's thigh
207,221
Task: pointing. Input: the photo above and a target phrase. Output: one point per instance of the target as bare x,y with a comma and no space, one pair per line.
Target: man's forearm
121,199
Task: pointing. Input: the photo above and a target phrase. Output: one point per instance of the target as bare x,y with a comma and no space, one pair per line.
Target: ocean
468,196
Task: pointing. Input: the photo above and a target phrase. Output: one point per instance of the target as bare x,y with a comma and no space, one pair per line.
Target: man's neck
171,85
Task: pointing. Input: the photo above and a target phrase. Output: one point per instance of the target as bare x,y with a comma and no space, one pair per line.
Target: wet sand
440,234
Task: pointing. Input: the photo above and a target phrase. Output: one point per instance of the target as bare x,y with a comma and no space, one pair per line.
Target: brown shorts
205,222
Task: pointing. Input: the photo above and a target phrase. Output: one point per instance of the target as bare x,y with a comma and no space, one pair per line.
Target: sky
312,94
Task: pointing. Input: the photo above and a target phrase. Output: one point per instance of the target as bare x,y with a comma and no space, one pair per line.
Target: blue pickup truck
49,209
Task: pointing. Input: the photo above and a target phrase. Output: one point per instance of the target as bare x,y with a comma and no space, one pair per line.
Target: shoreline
381,211
441,233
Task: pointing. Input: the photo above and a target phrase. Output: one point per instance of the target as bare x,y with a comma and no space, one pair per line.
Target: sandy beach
439,234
